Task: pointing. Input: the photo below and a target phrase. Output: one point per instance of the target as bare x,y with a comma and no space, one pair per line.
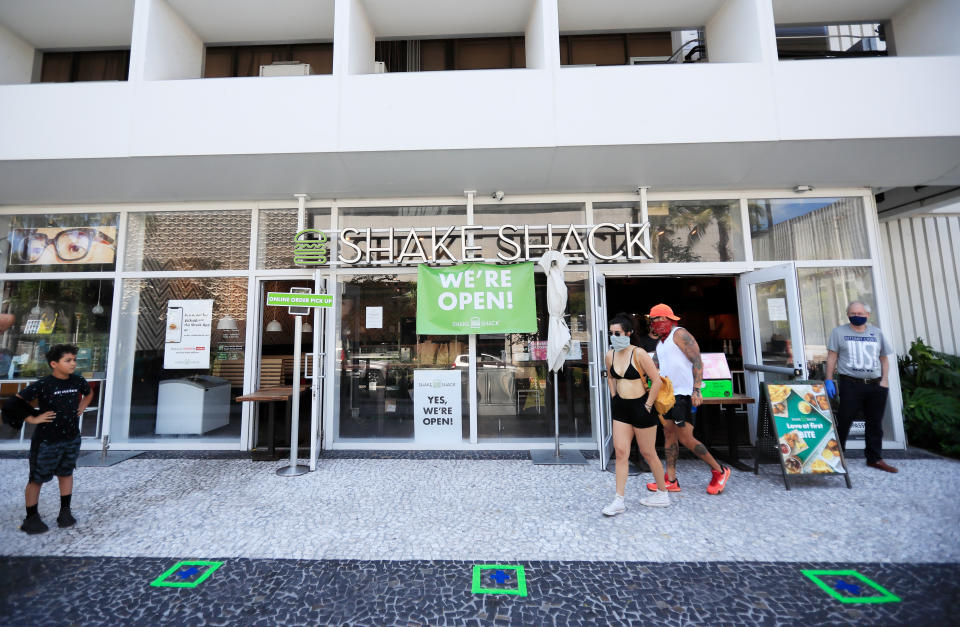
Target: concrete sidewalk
492,509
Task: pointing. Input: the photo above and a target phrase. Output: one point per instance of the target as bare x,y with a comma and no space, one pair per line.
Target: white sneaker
660,498
616,507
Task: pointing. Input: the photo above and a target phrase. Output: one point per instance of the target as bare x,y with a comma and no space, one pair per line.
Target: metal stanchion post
294,469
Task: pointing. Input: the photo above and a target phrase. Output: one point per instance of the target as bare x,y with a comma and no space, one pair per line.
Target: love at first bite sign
807,439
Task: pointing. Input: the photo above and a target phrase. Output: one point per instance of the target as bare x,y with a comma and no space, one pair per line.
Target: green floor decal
186,571
498,575
831,582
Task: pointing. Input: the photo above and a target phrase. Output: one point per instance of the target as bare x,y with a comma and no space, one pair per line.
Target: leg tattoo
700,450
672,452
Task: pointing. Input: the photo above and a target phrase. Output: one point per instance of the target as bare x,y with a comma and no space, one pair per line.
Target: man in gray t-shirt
858,353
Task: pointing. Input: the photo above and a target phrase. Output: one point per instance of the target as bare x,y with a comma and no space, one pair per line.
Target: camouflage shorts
52,458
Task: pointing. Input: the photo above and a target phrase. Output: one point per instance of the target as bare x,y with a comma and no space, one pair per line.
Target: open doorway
706,305
708,309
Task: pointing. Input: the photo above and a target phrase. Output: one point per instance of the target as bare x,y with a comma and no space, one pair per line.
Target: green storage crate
717,388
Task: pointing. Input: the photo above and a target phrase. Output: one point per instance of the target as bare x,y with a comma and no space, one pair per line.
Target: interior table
271,396
728,406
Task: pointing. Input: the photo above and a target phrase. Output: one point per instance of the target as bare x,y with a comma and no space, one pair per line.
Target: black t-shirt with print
62,396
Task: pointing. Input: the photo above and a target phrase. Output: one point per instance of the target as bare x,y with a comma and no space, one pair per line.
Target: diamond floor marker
186,574
838,584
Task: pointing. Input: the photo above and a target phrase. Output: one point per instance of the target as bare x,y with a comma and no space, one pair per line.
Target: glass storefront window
615,213
382,218
515,386
188,240
787,229
70,242
377,363
826,294
55,312
535,214
276,229
161,396
686,231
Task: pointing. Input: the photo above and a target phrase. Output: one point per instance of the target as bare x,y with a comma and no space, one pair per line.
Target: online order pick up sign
476,298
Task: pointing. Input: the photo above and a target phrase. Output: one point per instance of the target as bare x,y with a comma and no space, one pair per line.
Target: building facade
137,190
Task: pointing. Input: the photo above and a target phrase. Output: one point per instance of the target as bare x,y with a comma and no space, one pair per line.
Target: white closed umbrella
558,345
558,334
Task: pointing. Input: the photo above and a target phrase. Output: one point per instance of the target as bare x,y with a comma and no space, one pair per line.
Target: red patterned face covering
661,327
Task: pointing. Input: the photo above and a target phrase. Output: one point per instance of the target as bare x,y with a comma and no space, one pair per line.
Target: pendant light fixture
307,327
36,308
98,308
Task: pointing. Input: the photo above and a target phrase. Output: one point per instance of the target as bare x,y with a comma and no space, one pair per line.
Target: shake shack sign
604,242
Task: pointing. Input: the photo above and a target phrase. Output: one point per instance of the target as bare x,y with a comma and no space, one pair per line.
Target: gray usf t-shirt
858,354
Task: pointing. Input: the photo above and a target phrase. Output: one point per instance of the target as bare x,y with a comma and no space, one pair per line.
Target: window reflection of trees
677,234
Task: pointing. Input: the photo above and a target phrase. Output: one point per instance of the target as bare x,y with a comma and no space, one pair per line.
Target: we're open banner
476,298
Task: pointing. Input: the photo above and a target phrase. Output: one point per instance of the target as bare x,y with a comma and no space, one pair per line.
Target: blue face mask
619,342
857,321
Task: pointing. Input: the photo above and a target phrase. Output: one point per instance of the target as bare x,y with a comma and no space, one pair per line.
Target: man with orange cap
679,357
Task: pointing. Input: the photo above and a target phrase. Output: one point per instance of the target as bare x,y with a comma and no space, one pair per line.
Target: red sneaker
719,481
672,486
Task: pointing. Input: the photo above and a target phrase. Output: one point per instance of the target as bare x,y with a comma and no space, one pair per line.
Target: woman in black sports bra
632,408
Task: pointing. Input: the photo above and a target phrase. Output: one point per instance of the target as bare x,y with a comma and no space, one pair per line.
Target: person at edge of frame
649,340
632,412
63,396
679,358
858,352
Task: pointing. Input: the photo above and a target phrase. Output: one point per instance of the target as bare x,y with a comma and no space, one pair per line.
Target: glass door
776,351
275,366
598,371
314,366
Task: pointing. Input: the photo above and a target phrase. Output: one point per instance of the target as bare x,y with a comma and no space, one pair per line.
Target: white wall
741,31
164,47
923,274
927,27
16,59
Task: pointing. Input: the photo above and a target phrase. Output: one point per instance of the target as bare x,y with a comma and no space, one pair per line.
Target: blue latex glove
831,388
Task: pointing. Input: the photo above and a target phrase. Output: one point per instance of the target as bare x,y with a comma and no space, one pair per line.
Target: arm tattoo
690,348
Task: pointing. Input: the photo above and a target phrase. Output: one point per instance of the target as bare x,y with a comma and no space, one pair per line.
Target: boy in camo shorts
63,396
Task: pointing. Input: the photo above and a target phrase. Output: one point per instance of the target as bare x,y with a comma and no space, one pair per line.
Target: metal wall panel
923,269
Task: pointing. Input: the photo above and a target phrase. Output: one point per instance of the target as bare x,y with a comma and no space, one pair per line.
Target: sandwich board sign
807,439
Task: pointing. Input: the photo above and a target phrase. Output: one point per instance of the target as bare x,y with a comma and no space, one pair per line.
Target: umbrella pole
556,419
545,456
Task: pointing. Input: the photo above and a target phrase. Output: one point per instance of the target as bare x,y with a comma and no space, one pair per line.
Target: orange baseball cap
662,310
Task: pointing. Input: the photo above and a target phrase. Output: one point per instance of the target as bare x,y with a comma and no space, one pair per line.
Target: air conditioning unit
379,67
648,60
285,68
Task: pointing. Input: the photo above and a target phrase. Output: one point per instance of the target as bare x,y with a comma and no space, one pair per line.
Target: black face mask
857,321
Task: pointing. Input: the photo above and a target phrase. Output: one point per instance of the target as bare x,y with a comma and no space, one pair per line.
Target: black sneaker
65,519
33,525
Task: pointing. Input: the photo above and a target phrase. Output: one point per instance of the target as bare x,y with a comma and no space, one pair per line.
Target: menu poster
805,429
187,338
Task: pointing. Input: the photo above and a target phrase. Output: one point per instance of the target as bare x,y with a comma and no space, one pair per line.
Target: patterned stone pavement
369,540
111,591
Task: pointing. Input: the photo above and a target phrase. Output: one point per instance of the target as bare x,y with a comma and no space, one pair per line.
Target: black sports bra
630,368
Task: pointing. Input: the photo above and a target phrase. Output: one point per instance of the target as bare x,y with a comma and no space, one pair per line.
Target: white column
16,58
742,31
353,39
163,46
542,43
